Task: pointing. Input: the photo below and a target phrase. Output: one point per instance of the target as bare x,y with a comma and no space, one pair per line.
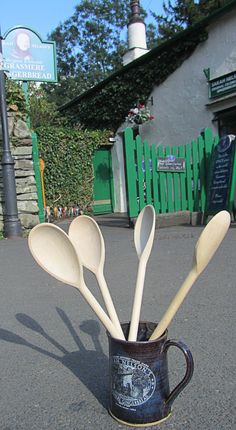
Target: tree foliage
42,111
88,40
181,14
90,45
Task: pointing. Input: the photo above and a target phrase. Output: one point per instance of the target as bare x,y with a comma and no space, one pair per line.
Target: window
226,120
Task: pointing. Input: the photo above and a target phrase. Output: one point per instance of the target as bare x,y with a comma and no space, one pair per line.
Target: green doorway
103,191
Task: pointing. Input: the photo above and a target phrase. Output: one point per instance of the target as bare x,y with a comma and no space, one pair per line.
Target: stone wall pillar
21,150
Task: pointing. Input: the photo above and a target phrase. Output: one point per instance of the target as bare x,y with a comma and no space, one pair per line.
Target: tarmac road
54,352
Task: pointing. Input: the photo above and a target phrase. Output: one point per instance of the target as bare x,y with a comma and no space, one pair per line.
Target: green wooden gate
169,191
103,194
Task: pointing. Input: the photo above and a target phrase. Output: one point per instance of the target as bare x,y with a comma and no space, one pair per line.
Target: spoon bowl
88,241
52,250
144,232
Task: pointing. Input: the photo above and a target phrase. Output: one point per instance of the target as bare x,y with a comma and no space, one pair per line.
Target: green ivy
107,104
68,157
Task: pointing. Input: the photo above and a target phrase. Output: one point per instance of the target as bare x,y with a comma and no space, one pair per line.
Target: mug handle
189,368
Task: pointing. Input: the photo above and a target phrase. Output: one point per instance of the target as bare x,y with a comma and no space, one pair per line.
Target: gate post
131,173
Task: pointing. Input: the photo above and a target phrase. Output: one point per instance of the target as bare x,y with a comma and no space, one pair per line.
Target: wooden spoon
205,248
144,232
88,241
54,252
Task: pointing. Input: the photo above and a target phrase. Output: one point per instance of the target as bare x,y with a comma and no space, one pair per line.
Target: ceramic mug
139,383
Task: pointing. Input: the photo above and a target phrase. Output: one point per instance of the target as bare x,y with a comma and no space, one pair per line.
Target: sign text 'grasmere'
27,57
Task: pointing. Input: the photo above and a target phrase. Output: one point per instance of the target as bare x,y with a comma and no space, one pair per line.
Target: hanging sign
27,57
171,164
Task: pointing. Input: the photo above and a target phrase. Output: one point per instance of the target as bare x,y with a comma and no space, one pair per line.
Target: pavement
54,352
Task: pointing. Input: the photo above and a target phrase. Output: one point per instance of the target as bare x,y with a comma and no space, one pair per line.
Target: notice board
220,174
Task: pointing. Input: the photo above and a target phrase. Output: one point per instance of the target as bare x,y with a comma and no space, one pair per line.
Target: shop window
226,120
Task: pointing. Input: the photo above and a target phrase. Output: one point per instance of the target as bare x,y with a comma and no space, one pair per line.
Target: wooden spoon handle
93,303
138,295
175,304
109,304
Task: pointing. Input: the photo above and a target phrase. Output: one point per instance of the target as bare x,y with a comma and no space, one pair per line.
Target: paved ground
53,351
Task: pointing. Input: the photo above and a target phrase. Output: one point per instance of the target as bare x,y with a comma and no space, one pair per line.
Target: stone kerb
21,150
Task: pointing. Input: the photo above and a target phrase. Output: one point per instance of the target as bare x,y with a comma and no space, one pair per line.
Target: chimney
137,44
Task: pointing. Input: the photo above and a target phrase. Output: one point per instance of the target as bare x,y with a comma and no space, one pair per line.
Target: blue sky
45,15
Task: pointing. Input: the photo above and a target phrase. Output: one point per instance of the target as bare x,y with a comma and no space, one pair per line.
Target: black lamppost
12,225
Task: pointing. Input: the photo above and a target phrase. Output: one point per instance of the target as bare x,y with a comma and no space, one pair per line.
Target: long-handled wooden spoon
55,253
205,248
88,241
144,232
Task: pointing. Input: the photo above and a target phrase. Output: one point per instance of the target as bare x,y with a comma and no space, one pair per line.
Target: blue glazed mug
139,383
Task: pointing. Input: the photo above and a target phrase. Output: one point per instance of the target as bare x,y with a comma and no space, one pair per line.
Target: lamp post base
12,228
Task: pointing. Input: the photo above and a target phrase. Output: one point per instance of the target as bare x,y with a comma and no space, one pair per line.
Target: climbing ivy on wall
107,104
68,156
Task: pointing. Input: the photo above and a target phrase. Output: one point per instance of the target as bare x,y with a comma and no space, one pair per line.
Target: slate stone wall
21,150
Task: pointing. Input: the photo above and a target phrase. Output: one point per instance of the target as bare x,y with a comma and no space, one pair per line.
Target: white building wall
179,104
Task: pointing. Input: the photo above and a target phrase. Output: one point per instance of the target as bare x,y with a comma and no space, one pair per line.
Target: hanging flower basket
139,115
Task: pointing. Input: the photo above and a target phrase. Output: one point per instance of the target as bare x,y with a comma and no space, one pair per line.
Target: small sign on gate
171,164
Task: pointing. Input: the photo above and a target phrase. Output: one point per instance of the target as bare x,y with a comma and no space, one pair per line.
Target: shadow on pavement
89,366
